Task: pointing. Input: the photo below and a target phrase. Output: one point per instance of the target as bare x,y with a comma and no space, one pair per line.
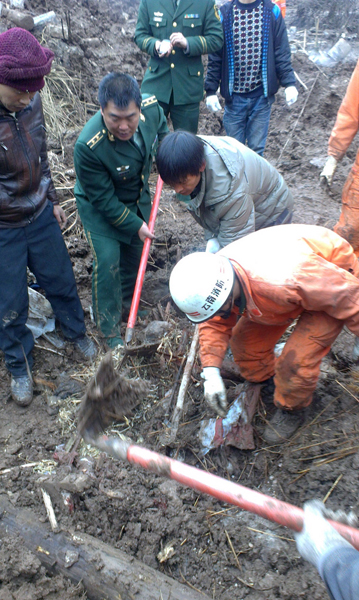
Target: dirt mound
337,15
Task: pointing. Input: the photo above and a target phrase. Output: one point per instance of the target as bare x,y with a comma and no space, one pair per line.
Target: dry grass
65,113
63,109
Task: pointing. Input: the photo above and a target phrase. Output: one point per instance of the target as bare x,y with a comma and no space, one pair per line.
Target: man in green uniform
190,28
113,158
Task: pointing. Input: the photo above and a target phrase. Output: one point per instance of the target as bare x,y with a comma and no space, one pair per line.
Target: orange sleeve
214,336
347,122
323,286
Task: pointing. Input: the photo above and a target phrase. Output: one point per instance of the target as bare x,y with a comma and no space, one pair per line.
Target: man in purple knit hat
30,214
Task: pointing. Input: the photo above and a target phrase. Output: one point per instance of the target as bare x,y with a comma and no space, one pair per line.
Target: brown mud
216,548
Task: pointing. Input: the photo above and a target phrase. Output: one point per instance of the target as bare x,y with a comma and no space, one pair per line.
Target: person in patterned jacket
253,63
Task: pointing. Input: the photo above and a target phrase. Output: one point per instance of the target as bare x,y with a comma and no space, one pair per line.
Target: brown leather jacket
25,178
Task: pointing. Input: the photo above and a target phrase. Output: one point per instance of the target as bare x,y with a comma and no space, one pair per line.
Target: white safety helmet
200,284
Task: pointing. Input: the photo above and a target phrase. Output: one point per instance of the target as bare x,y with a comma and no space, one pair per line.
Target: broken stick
184,384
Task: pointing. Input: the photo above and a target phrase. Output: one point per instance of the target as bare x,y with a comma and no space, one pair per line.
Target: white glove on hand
214,390
329,170
317,536
213,104
213,246
291,95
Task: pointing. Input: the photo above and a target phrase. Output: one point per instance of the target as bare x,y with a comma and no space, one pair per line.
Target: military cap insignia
96,138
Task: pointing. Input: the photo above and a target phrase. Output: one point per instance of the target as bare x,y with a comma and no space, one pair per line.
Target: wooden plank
105,572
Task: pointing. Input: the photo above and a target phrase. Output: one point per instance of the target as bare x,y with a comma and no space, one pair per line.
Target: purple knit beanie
23,61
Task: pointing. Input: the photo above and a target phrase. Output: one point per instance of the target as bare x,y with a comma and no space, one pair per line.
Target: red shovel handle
143,264
222,489
264,506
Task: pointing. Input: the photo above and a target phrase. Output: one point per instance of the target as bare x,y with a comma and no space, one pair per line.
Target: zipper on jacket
25,153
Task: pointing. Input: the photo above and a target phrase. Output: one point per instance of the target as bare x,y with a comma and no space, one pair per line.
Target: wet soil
217,548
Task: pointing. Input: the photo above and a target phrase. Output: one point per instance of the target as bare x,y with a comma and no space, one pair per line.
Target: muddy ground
218,549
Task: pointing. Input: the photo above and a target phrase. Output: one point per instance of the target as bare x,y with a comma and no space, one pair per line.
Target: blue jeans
247,120
41,247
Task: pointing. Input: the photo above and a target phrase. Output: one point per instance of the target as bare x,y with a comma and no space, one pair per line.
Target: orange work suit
286,271
344,131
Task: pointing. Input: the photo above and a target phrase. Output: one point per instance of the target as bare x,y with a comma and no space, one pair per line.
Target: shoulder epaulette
148,101
96,138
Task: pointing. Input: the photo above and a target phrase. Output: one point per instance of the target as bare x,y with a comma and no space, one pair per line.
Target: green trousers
183,116
115,267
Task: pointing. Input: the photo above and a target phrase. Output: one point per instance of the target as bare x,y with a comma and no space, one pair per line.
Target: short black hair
121,89
180,154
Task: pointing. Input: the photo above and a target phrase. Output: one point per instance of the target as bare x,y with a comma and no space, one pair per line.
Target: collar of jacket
197,200
182,6
251,307
228,7
4,112
116,140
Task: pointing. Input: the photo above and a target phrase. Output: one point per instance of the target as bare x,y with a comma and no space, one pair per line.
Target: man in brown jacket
30,214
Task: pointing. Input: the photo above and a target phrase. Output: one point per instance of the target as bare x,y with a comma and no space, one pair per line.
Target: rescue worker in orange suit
343,133
269,278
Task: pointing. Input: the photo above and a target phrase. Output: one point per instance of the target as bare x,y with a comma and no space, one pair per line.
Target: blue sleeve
339,569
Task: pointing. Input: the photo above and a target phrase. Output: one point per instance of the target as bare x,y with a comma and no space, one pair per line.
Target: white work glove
328,171
317,536
291,95
213,246
214,390
212,103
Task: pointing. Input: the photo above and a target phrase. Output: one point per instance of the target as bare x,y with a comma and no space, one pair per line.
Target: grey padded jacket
240,192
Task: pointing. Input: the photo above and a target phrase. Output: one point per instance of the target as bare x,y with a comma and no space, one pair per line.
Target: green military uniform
177,80
113,200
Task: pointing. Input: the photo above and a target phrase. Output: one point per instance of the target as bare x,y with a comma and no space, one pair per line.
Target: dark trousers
115,267
183,116
40,247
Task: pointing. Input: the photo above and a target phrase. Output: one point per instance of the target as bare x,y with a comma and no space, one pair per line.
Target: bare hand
178,40
144,233
60,215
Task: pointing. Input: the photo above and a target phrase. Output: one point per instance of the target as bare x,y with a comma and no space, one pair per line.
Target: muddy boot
86,347
21,390
282,426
